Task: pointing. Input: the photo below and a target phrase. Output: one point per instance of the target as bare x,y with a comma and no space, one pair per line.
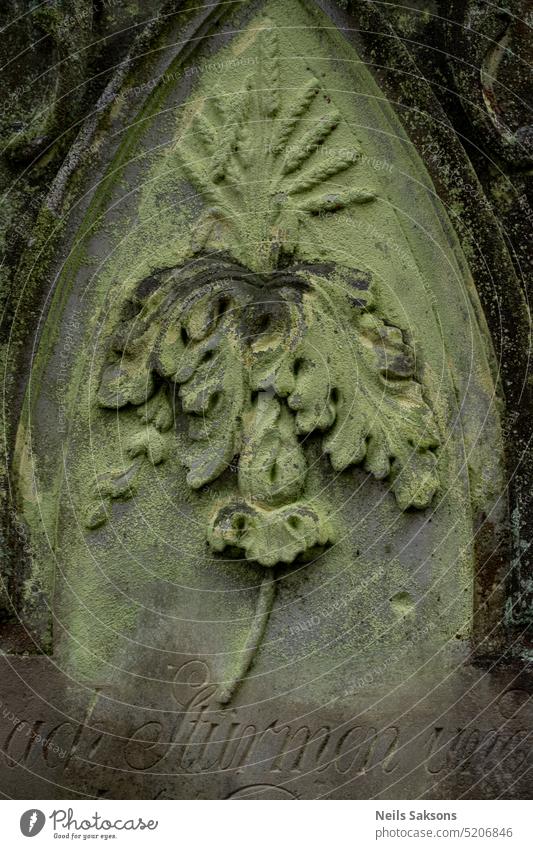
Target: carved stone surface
260,465
415,741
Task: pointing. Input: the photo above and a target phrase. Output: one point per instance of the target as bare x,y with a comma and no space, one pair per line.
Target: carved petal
268,536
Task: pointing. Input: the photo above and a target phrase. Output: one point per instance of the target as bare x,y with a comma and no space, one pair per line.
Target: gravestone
261,463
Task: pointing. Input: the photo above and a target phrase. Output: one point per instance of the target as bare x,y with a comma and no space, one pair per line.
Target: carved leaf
310,141
198,349
214,395
128,380
355,380
300,104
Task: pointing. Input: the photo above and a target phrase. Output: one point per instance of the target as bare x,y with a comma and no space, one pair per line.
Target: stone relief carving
270,371
261,352
258,363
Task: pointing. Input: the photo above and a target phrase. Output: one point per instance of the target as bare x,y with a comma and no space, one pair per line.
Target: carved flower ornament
258,351
262,352
257,363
